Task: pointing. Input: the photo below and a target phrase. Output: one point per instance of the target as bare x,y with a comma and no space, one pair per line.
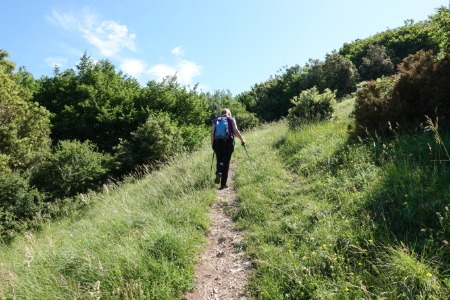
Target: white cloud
161,71
184,70
178,51
133,67
56,61
187,70
108,36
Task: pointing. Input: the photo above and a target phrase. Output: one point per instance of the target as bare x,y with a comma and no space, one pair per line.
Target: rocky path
223,270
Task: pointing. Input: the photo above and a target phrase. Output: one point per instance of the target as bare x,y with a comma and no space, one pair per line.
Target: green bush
154,142
423,89
404,101
372,105
312,106
19,203
73,168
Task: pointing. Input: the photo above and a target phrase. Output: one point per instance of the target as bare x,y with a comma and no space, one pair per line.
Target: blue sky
219,45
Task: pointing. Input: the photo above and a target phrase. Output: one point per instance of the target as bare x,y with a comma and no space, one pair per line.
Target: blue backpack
222,132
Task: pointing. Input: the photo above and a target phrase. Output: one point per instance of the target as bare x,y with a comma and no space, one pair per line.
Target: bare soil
223,270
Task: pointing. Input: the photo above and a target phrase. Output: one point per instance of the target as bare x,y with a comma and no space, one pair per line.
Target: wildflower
429,274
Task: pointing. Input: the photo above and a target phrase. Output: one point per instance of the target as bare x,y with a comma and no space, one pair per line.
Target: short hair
226,111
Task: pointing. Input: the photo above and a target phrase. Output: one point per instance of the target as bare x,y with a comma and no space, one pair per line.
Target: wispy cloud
109,37
133,67
185,71
178,51
56,62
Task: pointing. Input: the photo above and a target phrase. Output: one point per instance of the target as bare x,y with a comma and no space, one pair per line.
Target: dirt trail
223,270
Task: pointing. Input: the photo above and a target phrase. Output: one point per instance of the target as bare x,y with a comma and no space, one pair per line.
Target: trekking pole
253,167
212,162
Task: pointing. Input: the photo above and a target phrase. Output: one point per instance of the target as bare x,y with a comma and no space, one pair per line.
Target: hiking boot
218,177
223,187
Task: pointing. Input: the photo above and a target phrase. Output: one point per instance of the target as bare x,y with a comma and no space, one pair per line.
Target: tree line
69,133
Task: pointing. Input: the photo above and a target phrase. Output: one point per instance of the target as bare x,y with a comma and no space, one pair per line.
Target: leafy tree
340,74
95,103
271,100
376,63
186,107
224,99
399,42
24,125
441,30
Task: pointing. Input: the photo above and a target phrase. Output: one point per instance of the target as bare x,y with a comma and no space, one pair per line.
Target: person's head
226,112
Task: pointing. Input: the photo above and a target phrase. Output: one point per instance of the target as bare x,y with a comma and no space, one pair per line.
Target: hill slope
322,218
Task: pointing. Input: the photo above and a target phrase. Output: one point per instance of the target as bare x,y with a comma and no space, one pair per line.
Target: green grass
138,240
328,218
323,218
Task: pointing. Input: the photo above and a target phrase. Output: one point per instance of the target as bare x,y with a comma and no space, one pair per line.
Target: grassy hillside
323,218
136,241
326,218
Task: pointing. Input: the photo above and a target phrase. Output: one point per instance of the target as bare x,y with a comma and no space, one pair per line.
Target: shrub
155,141
372,104
312,106
420,89
73,168
423,89
19,203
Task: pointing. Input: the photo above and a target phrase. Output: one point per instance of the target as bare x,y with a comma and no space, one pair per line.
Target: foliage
154,142
423,89
187,107
376,63
95,103
19,204
404,101
340,74
399,42
74,167
372,107
223,99
441,30
310,106
24,126
271,100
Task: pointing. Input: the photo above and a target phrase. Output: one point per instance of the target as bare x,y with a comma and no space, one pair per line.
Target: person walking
222,142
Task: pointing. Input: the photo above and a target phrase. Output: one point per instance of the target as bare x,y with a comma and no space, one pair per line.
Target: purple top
230,121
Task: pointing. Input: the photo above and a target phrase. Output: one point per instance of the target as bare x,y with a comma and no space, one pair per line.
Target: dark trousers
223,149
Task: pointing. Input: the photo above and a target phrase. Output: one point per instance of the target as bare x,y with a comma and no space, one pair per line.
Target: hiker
222,141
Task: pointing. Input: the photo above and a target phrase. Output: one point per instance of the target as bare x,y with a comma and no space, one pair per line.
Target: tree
24,125
340,74
441,30
95,103
376,63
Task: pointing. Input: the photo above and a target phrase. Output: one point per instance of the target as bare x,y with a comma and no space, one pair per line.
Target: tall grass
138,240
328,218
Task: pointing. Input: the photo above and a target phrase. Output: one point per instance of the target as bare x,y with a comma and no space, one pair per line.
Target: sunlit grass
138,240
324,215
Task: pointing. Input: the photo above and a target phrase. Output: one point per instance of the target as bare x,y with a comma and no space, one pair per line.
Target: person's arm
238,133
